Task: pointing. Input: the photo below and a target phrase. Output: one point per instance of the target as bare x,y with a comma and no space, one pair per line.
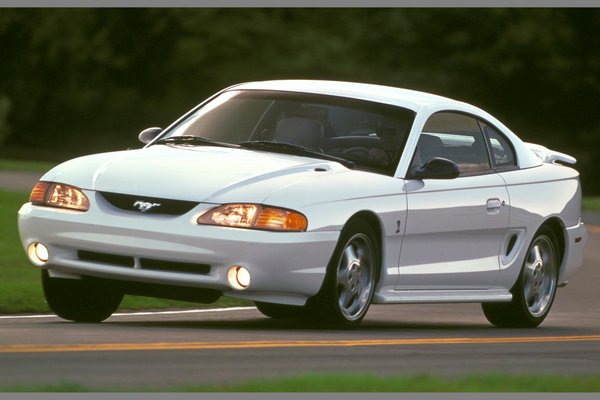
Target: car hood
203,173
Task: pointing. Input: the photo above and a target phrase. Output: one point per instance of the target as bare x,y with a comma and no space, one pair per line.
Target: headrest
301,131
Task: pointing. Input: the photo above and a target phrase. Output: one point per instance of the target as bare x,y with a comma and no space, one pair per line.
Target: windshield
370,135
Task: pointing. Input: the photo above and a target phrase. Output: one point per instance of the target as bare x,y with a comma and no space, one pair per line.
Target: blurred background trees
77,81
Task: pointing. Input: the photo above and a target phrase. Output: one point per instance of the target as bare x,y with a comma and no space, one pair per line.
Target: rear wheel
350,281
535,289
80,300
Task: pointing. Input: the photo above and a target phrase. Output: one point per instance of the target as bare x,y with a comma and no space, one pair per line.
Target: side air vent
511,244
148,205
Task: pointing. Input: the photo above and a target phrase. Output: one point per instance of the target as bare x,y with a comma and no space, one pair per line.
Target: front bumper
285,267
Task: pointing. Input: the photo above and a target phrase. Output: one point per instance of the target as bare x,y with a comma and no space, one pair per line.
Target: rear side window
456,137
503,155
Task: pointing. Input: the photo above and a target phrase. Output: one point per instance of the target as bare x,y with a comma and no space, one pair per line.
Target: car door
454,226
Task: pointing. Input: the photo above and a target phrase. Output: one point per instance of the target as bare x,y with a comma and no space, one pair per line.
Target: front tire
80,300
279,311
535,289
350,280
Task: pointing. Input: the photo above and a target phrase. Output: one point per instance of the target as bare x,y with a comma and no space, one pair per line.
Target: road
159,350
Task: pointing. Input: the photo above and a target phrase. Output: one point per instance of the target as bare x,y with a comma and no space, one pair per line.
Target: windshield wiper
195,141
293,149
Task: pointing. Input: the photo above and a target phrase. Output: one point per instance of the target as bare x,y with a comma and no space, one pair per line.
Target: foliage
365,382
591,203
99,76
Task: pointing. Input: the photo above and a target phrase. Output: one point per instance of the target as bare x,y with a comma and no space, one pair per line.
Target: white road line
142,313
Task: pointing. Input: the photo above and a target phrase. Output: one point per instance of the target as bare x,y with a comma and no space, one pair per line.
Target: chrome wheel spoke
537,255
345,299
342,279
528,294
355,277
349,256
539,276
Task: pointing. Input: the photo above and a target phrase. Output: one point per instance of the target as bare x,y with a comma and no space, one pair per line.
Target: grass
591,203
356,382
20,290
25,166
20,287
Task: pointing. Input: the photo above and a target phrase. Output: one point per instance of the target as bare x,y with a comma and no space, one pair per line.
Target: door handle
493,206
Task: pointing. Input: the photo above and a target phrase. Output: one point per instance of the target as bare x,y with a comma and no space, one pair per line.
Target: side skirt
495,294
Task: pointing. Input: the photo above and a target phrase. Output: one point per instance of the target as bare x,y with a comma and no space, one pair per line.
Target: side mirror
436,168
148,135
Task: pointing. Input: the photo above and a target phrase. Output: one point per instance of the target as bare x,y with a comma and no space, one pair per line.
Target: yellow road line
61,348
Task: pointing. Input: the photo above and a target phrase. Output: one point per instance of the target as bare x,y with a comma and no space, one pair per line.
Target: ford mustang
314,199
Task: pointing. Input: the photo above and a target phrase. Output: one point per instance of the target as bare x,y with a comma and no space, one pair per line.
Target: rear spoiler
550,156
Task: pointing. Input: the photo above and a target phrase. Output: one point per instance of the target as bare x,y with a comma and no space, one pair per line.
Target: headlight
254,216
59,195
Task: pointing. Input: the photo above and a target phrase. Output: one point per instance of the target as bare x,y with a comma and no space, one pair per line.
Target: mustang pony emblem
144,206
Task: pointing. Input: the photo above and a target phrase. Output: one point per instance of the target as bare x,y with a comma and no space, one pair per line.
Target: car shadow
267,324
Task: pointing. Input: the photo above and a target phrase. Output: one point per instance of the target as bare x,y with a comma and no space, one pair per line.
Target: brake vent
103,258
144,263
171,266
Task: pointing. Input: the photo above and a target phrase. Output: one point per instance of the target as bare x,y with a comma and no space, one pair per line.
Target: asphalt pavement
18,181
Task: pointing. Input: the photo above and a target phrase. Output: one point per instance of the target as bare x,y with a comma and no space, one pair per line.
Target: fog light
38,253
239,277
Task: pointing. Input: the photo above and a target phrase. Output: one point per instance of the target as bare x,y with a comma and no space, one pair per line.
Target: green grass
591,203
25,166
356,382
20,288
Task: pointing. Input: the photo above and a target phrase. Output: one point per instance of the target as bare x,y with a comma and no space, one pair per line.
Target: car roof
406,98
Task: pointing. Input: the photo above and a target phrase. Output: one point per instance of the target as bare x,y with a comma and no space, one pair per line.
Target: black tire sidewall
80,300
325,305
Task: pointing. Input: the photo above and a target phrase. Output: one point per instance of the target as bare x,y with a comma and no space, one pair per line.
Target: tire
80,300
349,285
280,311
535,289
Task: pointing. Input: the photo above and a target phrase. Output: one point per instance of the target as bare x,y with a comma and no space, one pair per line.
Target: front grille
148,205
144,263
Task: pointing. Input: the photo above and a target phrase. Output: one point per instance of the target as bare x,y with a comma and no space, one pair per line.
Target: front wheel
350,280
80,300
535,289
279,311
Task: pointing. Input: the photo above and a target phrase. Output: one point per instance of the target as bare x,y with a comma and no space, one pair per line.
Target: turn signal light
254,216
59,195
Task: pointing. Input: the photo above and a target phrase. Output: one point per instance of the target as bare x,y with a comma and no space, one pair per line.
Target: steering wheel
357,151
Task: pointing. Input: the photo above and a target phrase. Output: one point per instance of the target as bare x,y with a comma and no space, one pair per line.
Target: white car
314,199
